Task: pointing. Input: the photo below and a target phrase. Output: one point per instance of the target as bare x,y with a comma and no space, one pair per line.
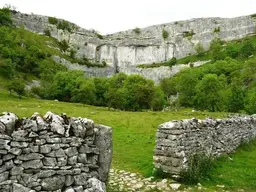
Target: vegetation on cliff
25,55
227,83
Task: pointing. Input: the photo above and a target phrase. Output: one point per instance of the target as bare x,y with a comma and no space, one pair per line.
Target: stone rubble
53,154
124,181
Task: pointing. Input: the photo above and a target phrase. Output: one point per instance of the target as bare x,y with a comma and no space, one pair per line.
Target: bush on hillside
63,44
172,61
7,68
52,20
136,30
165,34
47,32
64,25
18,87
216,50
199,49
5,17
247,49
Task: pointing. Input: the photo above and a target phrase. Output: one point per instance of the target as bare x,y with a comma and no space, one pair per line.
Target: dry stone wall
53,153
178,140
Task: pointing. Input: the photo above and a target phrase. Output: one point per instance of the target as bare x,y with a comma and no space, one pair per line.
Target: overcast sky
108,16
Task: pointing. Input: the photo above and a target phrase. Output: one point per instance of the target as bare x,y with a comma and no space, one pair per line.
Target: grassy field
236,171
134,138
133,132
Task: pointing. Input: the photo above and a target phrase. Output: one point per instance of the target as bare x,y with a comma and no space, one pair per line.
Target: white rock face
123,51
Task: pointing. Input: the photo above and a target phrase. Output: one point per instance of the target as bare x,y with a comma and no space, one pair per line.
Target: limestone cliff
123,51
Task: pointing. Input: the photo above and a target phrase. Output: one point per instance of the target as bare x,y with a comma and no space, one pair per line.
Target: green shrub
216,30
199,166
99,36
63,44
172,61
188,34
104,63
84,61
17,86
72,53
7,68
199,49
247,49
253,16
64,25
165,34
53,20
35,90
5,17
47,32
136,30
232,50
216,50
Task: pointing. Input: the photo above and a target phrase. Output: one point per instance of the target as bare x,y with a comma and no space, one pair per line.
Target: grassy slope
134,132
134,138
237,170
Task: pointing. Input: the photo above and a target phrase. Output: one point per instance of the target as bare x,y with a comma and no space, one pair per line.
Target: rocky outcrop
53,153
155,74
125,50
178,140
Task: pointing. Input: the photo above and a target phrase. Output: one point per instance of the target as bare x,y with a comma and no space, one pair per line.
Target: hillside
225,82
45,57
124,51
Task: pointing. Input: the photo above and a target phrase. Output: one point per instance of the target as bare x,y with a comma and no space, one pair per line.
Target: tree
236,99
247,49
64,83
7,68
17,86
84,92
133,92
216,50
114,96
186,86
169,86
101,88
157,102
139,92
207,92
250,101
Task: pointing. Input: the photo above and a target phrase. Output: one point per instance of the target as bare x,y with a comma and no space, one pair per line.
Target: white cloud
109,16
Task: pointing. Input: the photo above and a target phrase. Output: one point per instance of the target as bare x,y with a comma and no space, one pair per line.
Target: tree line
121,91
224,85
